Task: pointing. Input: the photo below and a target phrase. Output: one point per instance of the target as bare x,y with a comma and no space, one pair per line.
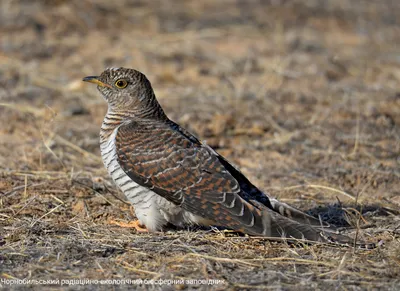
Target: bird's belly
152,210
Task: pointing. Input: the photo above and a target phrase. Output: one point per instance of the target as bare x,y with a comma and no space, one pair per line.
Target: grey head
127,90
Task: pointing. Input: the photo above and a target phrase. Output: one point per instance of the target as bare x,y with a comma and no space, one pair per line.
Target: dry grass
302,95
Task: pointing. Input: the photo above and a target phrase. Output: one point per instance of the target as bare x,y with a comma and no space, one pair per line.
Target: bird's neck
115,117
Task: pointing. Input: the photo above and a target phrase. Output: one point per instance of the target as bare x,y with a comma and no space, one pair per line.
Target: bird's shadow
344,216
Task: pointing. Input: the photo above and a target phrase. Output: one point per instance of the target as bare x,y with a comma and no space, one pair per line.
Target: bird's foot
131,224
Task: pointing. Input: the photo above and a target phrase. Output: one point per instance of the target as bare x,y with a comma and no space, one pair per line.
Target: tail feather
297,215
279,226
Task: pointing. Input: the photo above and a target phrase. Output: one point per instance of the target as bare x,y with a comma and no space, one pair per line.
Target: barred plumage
171,177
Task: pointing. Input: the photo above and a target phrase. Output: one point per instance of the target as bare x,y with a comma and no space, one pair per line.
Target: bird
172,178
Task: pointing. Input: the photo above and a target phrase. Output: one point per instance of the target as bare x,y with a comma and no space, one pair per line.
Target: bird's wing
175,165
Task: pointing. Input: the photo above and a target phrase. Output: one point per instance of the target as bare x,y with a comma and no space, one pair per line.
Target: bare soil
303,96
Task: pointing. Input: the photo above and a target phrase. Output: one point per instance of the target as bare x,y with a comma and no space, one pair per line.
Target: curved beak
95,80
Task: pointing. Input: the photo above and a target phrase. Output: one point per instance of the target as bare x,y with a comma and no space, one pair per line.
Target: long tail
299,226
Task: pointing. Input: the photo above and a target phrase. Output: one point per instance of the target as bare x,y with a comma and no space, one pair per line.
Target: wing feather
185,172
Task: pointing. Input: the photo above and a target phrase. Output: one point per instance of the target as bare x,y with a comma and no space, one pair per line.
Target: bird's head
127,90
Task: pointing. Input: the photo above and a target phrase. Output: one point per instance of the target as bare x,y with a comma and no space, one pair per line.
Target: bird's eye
121,83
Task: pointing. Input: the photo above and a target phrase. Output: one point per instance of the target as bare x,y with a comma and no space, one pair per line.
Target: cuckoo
170,176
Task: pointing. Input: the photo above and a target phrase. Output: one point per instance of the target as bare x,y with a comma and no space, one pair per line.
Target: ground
303,96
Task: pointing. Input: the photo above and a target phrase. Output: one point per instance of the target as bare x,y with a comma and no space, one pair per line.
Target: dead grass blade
322,187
